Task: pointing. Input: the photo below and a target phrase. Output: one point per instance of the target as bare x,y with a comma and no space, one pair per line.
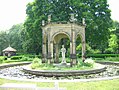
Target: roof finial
49,18
9,45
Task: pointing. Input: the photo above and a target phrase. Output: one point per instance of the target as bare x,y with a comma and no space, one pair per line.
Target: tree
113,45
95,12
115,33
14,35
4,41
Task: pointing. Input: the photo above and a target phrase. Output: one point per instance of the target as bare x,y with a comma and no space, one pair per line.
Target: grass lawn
95,85
39,84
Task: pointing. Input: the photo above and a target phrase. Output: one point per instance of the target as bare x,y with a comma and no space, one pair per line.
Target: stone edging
108,62
76,80
13,64
59,73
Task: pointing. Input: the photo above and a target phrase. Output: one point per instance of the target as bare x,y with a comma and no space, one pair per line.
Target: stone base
62,65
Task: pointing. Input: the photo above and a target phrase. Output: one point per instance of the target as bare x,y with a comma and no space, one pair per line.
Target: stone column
56,53
73,48
44,53
83,46
49,49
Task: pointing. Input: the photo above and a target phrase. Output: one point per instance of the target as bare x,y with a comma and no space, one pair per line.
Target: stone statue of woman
63,50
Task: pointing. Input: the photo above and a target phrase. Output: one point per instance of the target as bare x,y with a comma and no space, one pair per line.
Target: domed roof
9,49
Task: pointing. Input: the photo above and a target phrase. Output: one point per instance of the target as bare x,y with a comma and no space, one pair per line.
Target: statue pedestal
62,65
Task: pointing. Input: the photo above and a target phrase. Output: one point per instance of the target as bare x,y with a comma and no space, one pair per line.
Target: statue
63,50
49,18
83,21
72,18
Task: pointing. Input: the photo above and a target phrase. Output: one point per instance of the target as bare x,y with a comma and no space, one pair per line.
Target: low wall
108,63
59,73
13,64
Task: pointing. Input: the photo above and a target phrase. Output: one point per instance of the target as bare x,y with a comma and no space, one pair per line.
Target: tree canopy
95,12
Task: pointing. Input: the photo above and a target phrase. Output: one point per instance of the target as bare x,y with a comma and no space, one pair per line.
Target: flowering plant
89,62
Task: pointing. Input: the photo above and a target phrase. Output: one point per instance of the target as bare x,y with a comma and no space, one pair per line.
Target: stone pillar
83,47
56,53
83,51
51,45
49,51
44,53
73,49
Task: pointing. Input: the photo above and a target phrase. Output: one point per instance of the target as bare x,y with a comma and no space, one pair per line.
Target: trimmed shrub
34,56
112,59
36,63
89,62
24,58
16,57
100,55
1,60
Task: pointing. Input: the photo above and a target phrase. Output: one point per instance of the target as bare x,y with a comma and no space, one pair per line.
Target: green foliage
88,49
15,37
1,59
36,63
16,57
33,56
12,38
88,62
112,59
95,12
4,41
113,45
101,55
114,38
24,58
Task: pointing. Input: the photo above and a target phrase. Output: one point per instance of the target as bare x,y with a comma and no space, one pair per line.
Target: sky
13,12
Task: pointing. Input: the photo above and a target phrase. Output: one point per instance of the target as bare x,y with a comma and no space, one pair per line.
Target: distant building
9,51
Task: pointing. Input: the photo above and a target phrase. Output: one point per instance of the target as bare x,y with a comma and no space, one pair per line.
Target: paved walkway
14,86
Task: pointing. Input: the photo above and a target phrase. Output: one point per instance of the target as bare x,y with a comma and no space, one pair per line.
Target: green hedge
33,56
100,55
16,57
28,56
2,58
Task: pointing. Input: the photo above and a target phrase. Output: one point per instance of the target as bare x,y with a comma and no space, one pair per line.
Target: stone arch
82,37
58,33
56,38
69,30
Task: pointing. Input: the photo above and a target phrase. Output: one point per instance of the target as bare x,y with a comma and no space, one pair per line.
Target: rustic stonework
52,33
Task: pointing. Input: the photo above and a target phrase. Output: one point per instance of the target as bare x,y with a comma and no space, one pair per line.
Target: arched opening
58,34
78,46
60,39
